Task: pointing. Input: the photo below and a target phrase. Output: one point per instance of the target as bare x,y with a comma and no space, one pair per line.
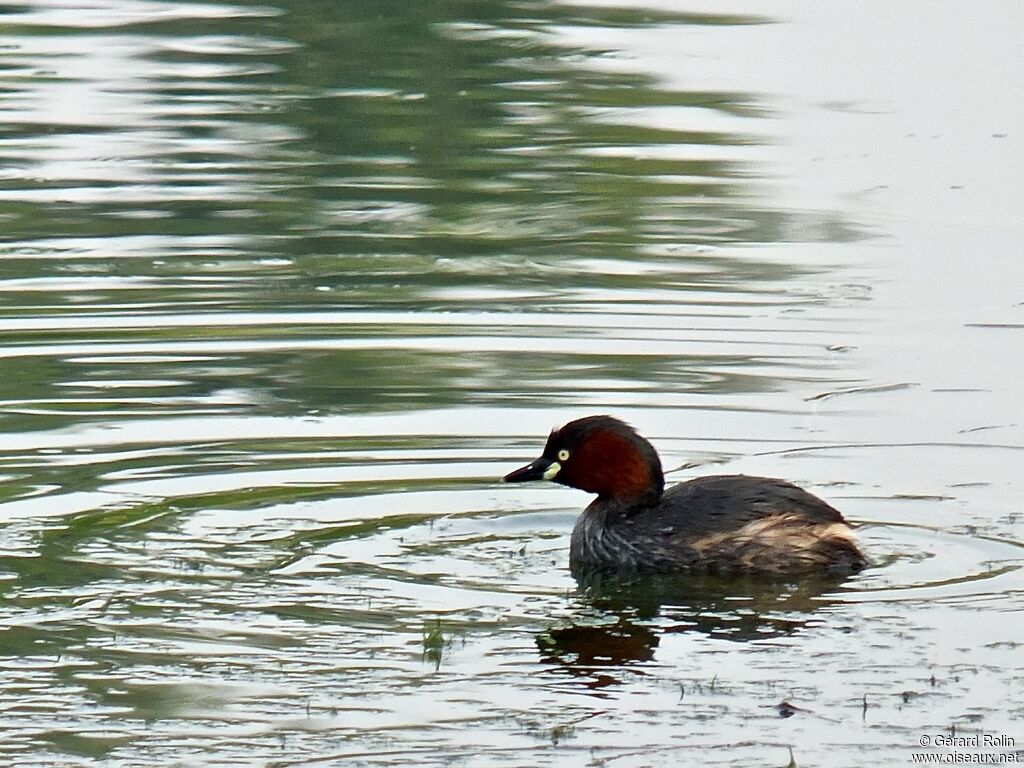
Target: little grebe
728,524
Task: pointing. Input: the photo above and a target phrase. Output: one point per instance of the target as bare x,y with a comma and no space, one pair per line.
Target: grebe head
598,454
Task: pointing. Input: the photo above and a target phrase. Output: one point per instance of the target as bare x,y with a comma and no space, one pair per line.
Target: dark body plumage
721,524
729,524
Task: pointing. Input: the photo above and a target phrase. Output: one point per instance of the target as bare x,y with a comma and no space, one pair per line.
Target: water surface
284,288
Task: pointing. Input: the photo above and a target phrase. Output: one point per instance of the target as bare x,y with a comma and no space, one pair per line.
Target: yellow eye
563,455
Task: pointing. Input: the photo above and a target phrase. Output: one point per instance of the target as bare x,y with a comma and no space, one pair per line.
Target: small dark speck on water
785,709
434,642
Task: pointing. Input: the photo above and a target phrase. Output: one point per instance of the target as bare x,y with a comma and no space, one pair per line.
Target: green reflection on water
394,156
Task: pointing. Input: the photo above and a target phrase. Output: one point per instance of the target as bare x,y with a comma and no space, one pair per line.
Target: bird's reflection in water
617,626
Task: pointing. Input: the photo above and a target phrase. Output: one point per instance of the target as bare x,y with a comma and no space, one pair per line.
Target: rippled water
285,288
